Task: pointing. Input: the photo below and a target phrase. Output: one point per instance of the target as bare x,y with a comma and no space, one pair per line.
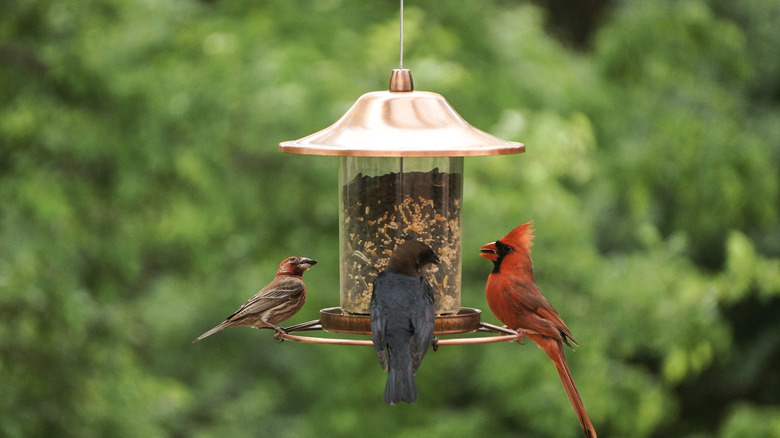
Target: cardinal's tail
400,379
554,350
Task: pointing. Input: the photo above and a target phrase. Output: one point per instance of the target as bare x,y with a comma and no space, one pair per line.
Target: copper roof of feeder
401,123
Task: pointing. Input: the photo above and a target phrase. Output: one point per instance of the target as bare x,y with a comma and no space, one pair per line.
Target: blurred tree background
143,198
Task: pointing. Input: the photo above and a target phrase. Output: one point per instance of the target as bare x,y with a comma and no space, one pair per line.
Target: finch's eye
294,260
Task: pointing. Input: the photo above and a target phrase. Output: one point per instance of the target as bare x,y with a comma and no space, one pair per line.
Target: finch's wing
276,293
423,320
378,322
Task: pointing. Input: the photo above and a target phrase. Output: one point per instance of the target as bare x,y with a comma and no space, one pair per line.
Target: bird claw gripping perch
280,334
520,336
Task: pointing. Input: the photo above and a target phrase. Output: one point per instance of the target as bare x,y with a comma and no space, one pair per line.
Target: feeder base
334,320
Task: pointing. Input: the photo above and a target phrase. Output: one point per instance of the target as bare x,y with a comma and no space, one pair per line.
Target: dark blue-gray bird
402,318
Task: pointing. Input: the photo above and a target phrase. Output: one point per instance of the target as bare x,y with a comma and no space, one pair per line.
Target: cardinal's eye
503,248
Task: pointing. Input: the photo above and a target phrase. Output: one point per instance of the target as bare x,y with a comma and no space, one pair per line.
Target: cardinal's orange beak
489,251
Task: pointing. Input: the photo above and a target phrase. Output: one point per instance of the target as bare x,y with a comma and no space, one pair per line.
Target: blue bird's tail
400,384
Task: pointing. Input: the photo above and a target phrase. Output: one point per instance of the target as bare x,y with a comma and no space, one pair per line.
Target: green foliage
674,123
752,421
143,198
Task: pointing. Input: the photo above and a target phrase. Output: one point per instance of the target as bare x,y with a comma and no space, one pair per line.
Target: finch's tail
554,350
400,381
221,326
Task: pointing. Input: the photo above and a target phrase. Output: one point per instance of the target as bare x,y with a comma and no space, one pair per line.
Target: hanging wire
401,66
401,39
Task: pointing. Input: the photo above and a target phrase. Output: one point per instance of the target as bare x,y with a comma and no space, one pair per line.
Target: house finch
402,317
278,301
515,299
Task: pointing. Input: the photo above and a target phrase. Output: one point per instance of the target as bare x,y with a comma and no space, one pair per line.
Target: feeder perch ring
504,334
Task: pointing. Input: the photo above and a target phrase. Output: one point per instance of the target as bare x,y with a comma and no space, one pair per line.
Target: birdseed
384,211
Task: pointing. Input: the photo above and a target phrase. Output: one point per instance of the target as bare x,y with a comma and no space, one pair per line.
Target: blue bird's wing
378,323
423,319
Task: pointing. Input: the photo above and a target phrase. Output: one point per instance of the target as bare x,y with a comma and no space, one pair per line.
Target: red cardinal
278,301
514,298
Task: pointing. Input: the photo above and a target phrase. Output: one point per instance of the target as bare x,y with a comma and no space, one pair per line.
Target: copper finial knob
401,80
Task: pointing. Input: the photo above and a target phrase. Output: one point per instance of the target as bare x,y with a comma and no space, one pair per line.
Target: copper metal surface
401,80
336,321
401,124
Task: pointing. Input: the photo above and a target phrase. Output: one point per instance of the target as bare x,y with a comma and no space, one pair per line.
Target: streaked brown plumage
278,301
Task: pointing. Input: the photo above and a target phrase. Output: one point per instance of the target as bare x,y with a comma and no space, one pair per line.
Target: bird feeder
400,177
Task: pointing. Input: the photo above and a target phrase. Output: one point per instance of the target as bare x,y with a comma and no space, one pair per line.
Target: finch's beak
489,251
307,263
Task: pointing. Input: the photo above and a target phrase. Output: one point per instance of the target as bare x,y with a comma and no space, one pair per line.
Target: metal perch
506,335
